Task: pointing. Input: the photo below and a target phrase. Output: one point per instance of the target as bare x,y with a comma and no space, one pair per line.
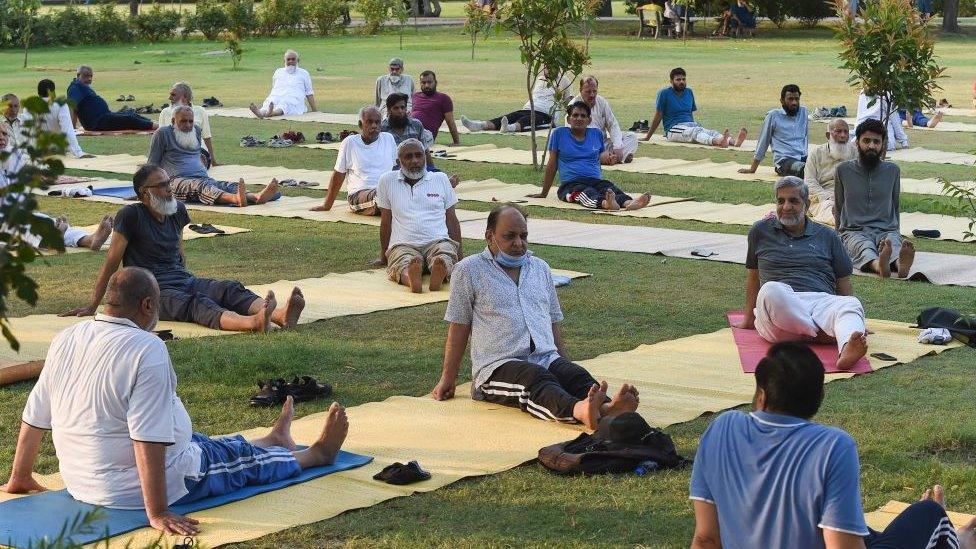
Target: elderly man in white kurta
291,87
620,145
821,167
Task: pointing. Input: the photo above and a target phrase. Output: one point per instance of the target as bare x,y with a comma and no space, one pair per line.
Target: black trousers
524,119
115,121
546,393
203,300
924,524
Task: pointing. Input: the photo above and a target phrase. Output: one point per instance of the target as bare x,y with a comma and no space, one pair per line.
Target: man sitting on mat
774,478
785,129
362,159
402,126
575,151
122,435
58,118
504,300
182,94
419,230
798,286
676,107
544,98
93,111
149,234
177,147
866,192
291,88
434,108
821,166
619,146
393,82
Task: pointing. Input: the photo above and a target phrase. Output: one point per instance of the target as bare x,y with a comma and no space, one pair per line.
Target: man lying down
149,234
122,435
504,300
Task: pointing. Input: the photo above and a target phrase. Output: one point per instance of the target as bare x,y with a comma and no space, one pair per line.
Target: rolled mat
940,127
752,348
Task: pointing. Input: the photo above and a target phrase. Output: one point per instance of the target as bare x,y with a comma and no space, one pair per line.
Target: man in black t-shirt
149,234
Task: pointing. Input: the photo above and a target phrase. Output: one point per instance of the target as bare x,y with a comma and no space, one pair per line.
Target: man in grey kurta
866,195
394,82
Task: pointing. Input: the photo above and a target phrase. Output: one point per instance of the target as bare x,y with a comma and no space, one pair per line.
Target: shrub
326,16
774,10
112,27
241,19
210,19
156,24
72,26
375,13
280,16
809,12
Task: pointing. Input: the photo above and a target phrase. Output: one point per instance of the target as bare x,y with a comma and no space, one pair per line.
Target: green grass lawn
914,423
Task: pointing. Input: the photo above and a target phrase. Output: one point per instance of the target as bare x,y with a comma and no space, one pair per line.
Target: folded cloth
935,336
400,474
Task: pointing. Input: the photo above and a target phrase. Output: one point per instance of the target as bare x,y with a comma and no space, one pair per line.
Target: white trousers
71,235
628,145
690,132
785,315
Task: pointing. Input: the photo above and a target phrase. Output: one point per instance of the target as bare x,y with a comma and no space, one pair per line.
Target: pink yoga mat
752,348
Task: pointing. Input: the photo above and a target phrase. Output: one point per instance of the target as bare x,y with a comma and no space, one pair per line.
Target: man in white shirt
363,158
58,118
394,82
419,229
291,87
14,119
545,96
122,435
821,166
182,94
620,146
897,138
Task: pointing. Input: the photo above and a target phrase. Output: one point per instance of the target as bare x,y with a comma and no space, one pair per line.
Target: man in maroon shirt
433,108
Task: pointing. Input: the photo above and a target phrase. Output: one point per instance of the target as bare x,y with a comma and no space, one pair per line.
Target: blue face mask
512,261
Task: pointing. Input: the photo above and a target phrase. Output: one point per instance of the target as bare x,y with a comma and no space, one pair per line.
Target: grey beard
162,206
790,220
187,140
419,174
840,151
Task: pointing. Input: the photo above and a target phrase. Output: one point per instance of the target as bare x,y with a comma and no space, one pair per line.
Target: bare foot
739,139
884,258
587,411
626,400
101,234
438,272
287,316
323,451
934,121
264,315
280,434
855,348
257,112
724,141
271,109
610,201
906,256
640,202
241,194
268,192
415,275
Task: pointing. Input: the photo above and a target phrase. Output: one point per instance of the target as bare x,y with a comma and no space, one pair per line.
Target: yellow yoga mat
461,438
188,234
880,519
493,190
940,127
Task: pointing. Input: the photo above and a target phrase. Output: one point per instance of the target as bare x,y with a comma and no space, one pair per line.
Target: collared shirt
787,135
418,210
676,108
603,119
867,199
810,262
106,383
413,130
820,169
777,480
88,105
167,153
508,321
16,128
364,164
430,109
385,87
200,118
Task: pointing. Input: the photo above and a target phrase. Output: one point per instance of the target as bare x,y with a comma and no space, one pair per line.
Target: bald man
93,112
821,166
291,88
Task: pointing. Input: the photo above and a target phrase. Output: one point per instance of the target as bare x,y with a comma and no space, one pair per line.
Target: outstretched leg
287,316
323,451
95,240
280,434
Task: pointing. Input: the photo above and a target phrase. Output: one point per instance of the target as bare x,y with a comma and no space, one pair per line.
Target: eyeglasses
163,185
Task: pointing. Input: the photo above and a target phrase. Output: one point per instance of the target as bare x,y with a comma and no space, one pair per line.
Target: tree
890,54
28,10
950,16
542,28
479,21
22,226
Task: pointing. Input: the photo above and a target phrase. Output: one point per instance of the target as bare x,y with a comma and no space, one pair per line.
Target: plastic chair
651,16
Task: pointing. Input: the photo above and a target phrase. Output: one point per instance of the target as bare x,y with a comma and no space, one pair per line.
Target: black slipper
270,393
165,335
305,388
927,233
202,229
400,474
213,229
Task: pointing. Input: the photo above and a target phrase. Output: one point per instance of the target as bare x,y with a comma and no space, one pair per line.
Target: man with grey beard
149,234
820,168
798,286
291,89
176,148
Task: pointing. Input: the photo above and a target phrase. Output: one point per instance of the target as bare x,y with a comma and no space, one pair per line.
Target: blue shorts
228,464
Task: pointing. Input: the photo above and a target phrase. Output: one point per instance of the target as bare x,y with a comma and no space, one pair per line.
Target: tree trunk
133,8
950,16
530,83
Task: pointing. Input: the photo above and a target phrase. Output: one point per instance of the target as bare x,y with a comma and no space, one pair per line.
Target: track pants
924,525
546,393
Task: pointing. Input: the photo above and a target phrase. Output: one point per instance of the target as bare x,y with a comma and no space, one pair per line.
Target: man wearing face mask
820,168
434,108
123,438
419,231
149,234
866,193
291,88
504,300
785,129
798,283
176,149
394,82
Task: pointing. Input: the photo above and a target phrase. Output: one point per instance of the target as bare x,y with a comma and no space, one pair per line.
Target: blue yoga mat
25,521
126,193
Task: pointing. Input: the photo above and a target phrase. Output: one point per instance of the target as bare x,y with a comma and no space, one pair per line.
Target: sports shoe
842,111
644,126
822,112
251,141
504,125
635,127
212,102
324,137
279,143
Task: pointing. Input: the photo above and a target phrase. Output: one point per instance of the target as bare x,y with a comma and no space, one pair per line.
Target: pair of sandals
302,389
324,137
205,228
640,126
251,141
293,136
277,142
346,133
296,183
123,98
212,102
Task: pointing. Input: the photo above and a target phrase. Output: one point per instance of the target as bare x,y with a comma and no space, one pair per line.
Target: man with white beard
820,168
798,286
149,234
176,148
394,82
182,94
291,87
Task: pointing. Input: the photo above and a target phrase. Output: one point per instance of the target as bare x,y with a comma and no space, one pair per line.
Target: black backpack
619,445
962,327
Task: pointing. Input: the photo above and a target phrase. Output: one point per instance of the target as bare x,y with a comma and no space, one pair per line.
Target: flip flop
121,98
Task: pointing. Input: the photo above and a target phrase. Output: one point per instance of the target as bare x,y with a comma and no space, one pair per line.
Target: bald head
838,131
507,230
132,293
85,75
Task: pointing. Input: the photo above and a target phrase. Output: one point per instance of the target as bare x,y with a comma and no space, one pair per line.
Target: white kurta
897,138
603,119
288,91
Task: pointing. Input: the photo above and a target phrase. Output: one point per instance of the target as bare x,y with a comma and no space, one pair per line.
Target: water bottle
645,467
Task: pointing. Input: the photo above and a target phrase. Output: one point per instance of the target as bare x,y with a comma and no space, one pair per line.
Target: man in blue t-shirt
93,111
675,106
575,153
773,478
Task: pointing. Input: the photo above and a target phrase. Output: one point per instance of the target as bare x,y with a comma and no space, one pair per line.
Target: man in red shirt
433,108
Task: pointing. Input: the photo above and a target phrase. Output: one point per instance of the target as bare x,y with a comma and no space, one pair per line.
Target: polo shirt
867,199
810,262
777,480
88,105
364,164
106,383
676,108
418,210
508,321
577,159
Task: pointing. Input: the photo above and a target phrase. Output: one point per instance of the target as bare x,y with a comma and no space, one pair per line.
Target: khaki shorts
399,257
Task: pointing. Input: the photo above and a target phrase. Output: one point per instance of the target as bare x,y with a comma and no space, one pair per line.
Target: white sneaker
504,125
